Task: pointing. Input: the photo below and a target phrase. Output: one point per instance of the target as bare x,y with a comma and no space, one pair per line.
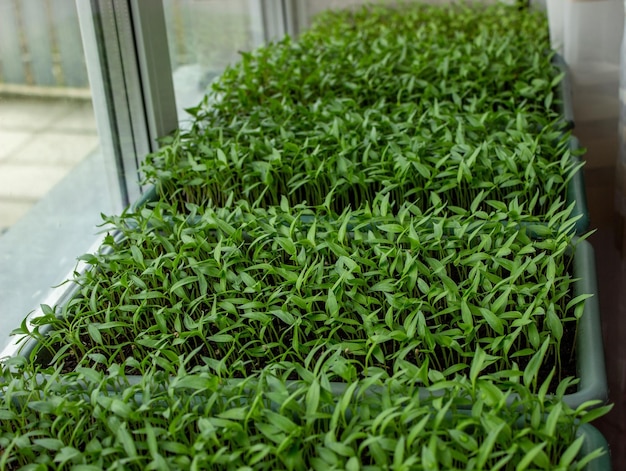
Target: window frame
129,69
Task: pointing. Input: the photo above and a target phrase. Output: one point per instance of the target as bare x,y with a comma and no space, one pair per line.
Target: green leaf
494,321
353,464
332,307
53,444
554,323
66,454
477,201
236,413
530,456
312,400
311,233
398,454
120,408
501,302
569,455
531,371
341,234
417,430
195,382
281,422
151,439
386,286
594,414
577,300
466,313
90,374
557,79
484,452
125,438
553,419
478,363
173,447
44,407
7,414
392,228
551,270
465,440
284,316
221,156
137,255
287,245
429,459
221,338
176,288
94,333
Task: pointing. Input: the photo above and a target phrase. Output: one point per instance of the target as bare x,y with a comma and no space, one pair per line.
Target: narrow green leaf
312,400
494,321
484,452
53,444
332,307
569,455
596,413
531,371
94,333
530,456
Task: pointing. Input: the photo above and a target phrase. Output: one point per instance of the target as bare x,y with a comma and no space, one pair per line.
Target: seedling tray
589,350
594,440
589,345
576,194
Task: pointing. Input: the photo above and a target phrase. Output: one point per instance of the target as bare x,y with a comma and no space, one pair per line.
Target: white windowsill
40,250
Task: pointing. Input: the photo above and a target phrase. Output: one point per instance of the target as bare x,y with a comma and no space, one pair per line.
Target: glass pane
53,179
312,8
205,36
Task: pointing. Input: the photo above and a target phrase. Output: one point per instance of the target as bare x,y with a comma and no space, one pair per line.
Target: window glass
204,36
313,8
53,178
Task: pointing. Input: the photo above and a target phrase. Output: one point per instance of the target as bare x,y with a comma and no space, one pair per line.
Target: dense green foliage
359,257
250,287
427,104
186,418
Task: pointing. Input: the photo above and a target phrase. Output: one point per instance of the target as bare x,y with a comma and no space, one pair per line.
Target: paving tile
31,113
79,117
55,148
11,212
11,141
25,183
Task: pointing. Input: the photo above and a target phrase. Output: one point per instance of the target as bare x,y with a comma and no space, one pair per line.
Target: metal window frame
128,65
129,69
295,16
278,18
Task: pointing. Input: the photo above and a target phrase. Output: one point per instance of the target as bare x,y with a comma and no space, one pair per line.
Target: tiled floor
599,136
596,111
611,270
41,141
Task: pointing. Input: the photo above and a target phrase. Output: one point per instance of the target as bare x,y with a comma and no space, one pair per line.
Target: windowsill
40,250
